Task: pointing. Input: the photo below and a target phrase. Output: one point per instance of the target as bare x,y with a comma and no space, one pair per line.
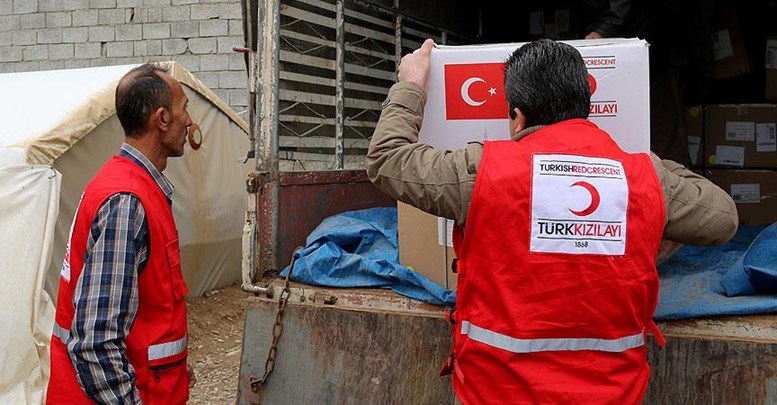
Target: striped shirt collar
136,156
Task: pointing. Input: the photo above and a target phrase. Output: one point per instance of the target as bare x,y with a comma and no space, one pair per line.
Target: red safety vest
557,282
157,340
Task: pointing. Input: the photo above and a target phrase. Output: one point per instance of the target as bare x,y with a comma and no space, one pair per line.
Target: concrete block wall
64,34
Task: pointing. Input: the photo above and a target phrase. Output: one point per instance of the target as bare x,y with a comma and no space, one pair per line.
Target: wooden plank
321,142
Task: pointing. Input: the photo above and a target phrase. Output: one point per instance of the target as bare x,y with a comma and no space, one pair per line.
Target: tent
58,128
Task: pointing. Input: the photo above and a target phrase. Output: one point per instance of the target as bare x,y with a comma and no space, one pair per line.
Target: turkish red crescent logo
592,83
475,91
595,199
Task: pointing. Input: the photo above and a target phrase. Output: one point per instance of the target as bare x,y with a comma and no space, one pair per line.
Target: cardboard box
753,191
771,69
620,104
728,46
426,244
466,100
693,120
740,135
557,23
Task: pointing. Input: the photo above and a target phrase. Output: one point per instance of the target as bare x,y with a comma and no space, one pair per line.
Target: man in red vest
120,334
557,234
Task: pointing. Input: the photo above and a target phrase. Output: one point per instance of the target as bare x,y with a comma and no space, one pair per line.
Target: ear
161,118
519,123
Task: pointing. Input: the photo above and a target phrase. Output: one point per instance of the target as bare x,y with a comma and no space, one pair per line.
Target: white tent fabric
29,211
65,122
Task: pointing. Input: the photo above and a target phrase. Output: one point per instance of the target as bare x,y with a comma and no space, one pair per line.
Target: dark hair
548,82
141,92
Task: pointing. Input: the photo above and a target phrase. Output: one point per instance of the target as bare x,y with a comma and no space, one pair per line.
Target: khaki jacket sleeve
439,182
697,211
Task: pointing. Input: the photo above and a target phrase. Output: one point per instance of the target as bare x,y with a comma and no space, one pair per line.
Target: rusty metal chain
277,329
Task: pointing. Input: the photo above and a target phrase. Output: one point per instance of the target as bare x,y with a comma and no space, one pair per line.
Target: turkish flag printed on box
475,91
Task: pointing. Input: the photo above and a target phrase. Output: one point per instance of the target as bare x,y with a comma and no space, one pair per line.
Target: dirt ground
215,337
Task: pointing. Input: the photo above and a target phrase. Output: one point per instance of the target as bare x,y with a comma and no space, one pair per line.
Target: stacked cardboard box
728,46
771,69
753,191
693,120
740,136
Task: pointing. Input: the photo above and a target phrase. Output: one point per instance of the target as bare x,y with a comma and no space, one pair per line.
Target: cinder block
73,5
190,62
214,28
238,97
182,2
49,6
156,31
76,64
154,47
176,13
120,49
140,48
6,7
211,79
233,80
157,2
129,32
173,46
24,37
235,27
88,50
102,62
6,38
75,34
226,44
36,52
12,22
184,29
10,54
200,46
28,66
112,16
61,51
128,3
214,62
237,61
25,6
7,67
50,36
102,34
102,3
51,65
85,18
59,20
230,11
204,11
154,15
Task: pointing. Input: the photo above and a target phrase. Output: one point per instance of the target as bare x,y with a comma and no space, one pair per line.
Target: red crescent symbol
592,83
595,199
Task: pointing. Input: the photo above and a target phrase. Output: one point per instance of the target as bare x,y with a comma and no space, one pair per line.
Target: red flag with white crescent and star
475,91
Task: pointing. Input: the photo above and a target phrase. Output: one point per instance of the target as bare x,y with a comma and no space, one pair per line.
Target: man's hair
141,92
548,82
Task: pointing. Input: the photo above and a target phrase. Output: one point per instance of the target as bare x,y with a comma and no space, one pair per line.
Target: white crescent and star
465,91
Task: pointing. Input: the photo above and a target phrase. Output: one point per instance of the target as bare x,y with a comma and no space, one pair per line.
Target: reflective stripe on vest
514,345
60,332
162,350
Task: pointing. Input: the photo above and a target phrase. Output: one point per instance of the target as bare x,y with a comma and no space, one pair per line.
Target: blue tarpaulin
738,278
359,249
